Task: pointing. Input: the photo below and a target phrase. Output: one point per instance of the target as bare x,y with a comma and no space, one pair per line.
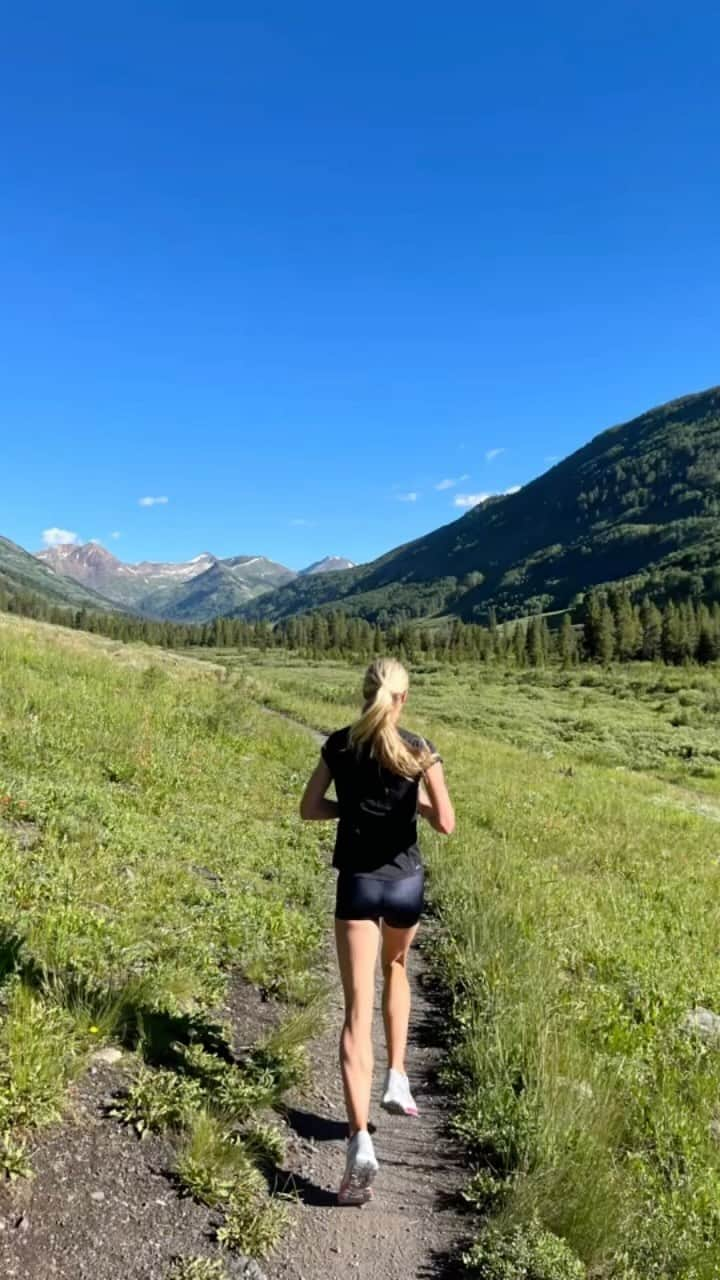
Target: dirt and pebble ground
413,1227
103,1204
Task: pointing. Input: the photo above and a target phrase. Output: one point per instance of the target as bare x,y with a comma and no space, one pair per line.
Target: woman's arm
434,803
314,806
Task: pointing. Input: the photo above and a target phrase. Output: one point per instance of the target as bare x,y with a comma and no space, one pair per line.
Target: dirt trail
413,1227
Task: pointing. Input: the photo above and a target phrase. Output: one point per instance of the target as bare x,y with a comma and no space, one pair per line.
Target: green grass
197,1269
579,921
640,716
148,846
149,843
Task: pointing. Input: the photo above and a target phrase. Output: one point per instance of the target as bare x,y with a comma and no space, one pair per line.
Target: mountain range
639,505
192,591
22,572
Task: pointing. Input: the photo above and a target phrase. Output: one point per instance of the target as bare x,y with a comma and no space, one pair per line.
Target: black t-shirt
377,831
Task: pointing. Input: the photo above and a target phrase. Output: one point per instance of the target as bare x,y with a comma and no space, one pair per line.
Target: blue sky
291,267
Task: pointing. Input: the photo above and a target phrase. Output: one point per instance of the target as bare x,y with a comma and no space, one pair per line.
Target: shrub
214,1166
197,1269
158,1100
522,1253
253,1226
14,1162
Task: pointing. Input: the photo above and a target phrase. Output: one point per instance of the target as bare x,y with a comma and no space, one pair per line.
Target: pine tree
651,625
537,641
606,636
592,615
567,643
673,638
627,627
707,642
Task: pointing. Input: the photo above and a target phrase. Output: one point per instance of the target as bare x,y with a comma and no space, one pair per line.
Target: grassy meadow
149,846
579,924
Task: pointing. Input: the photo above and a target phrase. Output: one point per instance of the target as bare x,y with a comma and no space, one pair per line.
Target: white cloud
153,502
407,497
450,484
553,457
59,537
470,499
116,534
492,454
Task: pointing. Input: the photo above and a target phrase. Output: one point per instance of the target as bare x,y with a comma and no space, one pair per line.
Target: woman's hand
424,806
314,807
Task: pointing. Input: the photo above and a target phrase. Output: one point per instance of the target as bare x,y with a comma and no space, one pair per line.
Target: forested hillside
639,505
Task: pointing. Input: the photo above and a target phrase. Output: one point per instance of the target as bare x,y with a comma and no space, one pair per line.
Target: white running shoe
360,1170
397,1097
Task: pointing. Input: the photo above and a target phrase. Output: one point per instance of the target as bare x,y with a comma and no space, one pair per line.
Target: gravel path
412,1228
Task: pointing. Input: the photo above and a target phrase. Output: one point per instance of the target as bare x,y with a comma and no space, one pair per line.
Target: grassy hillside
579,918
149,847
640,504
22,572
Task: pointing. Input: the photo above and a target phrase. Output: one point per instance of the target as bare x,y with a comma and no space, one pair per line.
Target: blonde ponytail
385,680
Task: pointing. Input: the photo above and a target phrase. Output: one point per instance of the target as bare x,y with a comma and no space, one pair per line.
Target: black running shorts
398,902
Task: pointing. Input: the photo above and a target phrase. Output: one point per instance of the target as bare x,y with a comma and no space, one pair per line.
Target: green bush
158,1100
522,1253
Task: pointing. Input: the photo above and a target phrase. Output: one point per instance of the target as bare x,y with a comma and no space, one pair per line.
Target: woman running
384,777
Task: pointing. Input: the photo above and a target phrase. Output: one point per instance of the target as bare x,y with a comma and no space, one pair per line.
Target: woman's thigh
395,944
357,950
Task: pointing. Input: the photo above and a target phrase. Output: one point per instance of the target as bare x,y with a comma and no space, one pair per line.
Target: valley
638,507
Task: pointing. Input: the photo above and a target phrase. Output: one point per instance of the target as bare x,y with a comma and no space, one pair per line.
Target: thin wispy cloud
492,454
408,497
116,534
59,537
474,499
450,484
301,523
553,457
153,502
470,499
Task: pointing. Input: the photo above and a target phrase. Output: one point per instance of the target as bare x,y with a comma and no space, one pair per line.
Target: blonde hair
385,680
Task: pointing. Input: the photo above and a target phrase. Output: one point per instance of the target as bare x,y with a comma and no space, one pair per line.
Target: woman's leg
357,948
396,992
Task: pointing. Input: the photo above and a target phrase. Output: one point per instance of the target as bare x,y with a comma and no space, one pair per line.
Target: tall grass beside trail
642,716
578,922
149,845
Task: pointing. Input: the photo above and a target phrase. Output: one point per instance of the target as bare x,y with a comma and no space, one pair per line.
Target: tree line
612,628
